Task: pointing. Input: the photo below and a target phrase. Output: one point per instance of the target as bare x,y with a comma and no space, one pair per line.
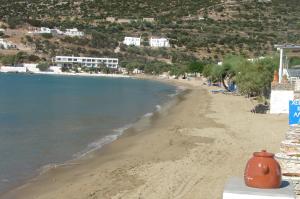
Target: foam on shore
98,144
141,123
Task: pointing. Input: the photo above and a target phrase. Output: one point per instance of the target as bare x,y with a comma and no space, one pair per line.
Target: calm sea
51,119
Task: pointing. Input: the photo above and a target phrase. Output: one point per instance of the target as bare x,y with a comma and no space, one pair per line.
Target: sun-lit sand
188,152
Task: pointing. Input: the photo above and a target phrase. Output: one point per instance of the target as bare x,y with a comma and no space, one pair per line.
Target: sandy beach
188,152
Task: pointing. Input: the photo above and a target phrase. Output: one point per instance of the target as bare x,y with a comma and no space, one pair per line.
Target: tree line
252,77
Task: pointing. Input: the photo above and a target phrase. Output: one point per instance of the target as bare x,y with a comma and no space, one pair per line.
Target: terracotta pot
263,171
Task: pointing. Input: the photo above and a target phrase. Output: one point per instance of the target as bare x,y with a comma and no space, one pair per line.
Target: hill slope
206,29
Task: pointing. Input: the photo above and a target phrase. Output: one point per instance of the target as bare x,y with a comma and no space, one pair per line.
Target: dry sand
188,152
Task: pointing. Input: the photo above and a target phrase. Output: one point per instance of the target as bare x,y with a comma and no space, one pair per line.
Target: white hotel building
132,41
85,61
159,42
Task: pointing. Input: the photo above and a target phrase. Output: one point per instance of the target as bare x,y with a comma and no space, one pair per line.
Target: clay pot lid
264,154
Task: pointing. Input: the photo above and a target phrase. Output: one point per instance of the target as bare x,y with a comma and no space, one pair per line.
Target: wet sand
188,152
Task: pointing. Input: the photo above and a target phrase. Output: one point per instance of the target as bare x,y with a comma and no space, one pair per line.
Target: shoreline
172,159
72,74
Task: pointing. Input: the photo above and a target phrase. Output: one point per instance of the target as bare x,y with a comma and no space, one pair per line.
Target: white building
159,42
132,41
69,32
45,30
6,44
62,61
149,19
32,68
73,33
56,31
137,71
42,30
12,69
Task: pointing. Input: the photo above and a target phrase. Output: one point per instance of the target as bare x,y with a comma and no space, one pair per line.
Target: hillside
203,29
100,9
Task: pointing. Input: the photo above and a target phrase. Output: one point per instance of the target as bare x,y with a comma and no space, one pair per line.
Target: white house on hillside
62,61
74,32
132,41
159,42
42,30
149,19
6,44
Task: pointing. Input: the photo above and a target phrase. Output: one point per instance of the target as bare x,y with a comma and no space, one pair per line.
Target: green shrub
43,66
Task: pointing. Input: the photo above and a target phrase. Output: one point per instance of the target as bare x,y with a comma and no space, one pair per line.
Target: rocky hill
202,29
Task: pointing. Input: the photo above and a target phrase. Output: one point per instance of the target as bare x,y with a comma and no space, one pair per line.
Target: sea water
51,119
